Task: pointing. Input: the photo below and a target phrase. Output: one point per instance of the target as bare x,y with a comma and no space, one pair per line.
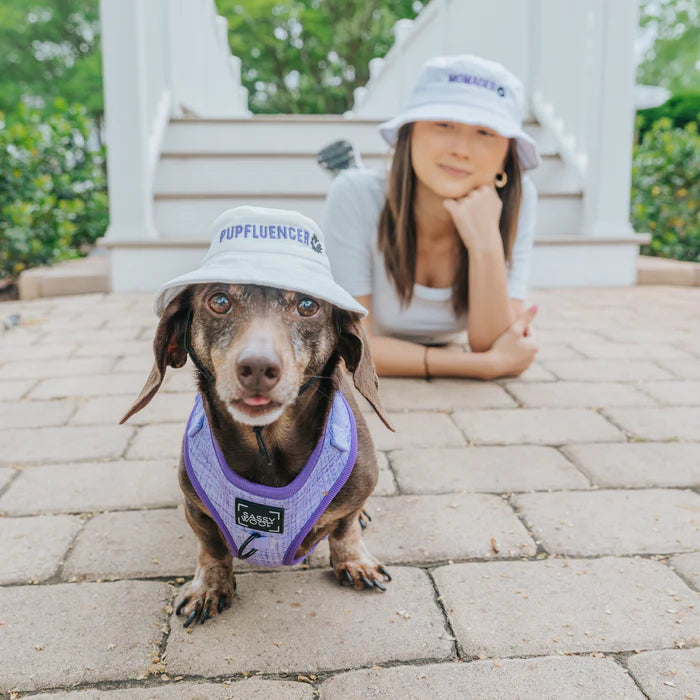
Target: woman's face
452,159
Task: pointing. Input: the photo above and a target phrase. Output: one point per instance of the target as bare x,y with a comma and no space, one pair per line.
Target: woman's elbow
479,345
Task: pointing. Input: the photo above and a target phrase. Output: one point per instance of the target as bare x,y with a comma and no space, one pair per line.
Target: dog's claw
365,581
363,522
378,585
347,576
191,618
382,570
182,605
208,594
205,614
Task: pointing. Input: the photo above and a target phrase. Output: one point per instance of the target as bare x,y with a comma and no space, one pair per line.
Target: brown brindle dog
255,348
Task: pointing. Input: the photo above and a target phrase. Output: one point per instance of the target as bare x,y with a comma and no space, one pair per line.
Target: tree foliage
53,201
666,190
672,61
307,56
680,109
50,48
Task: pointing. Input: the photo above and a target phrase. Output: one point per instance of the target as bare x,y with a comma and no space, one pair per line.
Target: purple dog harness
274,519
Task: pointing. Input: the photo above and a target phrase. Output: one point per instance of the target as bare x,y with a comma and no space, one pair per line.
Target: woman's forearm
401,358
490,312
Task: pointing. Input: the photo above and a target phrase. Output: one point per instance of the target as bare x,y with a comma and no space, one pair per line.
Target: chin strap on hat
191,352
262,447
257,429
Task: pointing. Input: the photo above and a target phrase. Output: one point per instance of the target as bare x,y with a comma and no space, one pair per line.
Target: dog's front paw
366,572
208,594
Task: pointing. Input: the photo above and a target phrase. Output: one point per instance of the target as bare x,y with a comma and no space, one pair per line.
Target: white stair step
190,216
246,174
219,174
558,215
291,134
559,261
187,217
269,135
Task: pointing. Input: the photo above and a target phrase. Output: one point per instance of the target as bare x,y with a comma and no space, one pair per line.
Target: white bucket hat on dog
270,247
469,90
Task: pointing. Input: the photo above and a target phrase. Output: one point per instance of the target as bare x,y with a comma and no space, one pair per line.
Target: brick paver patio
543,532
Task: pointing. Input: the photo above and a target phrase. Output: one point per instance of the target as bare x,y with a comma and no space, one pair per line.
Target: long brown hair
397,227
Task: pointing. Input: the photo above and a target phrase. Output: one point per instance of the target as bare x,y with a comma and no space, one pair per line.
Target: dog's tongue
256,400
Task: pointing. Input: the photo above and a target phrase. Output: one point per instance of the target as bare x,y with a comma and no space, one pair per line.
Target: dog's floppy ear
353,347
168,348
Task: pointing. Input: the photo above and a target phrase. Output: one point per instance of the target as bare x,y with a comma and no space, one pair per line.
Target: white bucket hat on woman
470,90
270,247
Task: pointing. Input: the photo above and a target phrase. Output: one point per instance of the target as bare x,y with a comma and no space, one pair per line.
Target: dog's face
260,345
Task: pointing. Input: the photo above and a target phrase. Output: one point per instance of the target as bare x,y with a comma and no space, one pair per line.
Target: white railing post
126,121
534,49
171,16
611,125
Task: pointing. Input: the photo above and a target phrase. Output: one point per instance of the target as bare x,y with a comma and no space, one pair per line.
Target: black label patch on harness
259,517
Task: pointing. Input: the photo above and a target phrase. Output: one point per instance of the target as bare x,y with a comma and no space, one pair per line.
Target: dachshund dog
273,366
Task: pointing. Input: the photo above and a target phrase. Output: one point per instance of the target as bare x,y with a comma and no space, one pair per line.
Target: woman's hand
513,351
476,217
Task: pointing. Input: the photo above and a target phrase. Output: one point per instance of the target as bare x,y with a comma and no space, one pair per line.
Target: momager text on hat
469,90
270,247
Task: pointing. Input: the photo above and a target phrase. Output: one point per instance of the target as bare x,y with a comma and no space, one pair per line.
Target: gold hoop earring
501,180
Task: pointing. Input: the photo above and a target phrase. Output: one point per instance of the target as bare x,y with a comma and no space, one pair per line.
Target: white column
127,133
609,167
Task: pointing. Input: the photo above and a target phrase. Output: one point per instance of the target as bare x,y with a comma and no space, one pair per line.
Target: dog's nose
258,372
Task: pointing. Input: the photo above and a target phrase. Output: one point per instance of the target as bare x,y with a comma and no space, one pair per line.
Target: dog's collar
193,354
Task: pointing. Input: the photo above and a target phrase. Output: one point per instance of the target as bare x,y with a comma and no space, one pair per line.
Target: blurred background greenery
307,57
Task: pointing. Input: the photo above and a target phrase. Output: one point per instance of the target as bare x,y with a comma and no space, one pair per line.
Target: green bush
666,190
53,200
681,109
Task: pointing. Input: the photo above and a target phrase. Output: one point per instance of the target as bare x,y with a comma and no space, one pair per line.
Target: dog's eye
307,307
219,303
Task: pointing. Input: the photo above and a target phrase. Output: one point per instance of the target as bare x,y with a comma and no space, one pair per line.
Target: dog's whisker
325,394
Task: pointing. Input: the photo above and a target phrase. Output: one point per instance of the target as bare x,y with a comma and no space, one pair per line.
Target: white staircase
207,165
